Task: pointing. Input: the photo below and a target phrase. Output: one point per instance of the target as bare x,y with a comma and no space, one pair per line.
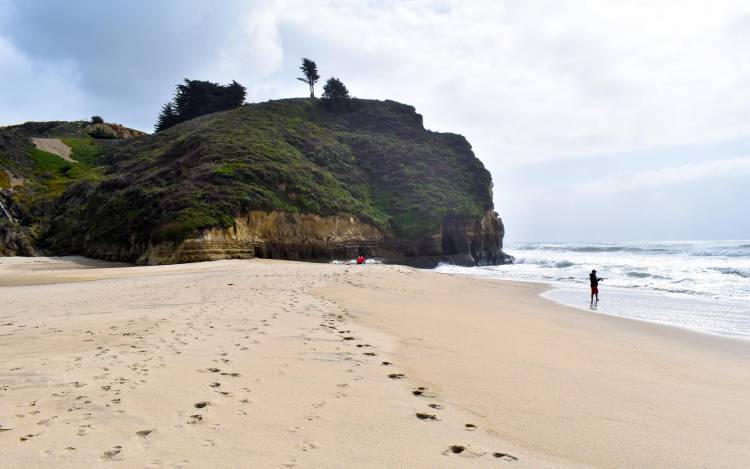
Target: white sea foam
702,285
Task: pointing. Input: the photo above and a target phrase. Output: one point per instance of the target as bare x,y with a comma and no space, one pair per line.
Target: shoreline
724,335
285,364
552,289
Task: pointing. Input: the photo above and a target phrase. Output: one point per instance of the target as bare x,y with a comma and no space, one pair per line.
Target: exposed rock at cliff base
294,236
273,235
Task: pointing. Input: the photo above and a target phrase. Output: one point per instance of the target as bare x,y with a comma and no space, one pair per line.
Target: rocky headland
283,179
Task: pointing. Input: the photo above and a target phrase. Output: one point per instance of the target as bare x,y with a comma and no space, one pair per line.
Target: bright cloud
526,81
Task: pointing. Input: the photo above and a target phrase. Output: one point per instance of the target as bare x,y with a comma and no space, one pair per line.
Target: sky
599,120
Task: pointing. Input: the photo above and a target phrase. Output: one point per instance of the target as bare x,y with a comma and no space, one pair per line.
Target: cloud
123,58
546,91
531,81
40,89
680,175
525,81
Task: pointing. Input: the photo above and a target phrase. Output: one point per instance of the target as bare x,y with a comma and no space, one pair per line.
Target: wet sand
283,364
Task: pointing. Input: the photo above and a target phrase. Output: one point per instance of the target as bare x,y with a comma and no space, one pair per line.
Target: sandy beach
283,364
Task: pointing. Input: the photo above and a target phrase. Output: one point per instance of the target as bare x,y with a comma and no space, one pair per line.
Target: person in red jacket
594,280
360,260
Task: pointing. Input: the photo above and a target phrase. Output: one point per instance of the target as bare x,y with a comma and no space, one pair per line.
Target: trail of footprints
135,345
334,322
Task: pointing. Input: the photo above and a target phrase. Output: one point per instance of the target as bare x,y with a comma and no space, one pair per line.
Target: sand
283,364
54,146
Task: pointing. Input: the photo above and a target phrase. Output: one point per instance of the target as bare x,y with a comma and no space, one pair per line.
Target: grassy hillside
31,180
376,163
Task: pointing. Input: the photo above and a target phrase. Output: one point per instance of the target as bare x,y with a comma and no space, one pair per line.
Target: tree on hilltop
310,70
195,98
335,95
167,118
97,120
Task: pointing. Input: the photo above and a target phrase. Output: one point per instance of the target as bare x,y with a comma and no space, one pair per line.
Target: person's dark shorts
594,290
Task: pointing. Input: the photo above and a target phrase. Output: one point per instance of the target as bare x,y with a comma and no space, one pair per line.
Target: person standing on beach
594,285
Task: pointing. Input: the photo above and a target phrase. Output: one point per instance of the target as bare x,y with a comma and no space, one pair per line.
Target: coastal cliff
283,179
280,235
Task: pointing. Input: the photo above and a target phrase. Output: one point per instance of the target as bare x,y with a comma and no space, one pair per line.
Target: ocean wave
638,274
687,249
722,253
705,269
744,273
611,249
590,248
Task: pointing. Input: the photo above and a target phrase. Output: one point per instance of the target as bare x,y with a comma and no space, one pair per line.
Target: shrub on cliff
102,132
336,95
195,98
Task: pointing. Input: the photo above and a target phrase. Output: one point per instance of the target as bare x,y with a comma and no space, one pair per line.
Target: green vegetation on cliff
32,179
375,162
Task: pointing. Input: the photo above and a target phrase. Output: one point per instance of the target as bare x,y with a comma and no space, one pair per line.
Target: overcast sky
599,120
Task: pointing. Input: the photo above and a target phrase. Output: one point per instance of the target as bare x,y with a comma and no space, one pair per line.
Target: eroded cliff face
273,235
296,236
467,241
15,239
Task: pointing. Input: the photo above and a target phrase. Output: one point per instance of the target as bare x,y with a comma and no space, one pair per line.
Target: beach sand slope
283,364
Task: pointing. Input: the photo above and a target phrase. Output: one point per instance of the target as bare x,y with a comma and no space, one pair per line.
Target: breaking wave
706,269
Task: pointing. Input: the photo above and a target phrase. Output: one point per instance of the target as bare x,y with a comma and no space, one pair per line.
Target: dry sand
280,364
54,146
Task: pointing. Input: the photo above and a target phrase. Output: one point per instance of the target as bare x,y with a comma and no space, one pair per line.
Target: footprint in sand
29,436
426,417
465,451
84,430
307,445
422,391
144,433
110,454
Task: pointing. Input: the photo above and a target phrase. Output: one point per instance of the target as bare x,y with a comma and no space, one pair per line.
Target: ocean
701,285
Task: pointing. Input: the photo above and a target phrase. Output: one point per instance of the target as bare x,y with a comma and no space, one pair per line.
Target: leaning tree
310,70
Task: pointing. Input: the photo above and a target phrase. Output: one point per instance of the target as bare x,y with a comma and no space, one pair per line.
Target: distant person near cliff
594,285
360,260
